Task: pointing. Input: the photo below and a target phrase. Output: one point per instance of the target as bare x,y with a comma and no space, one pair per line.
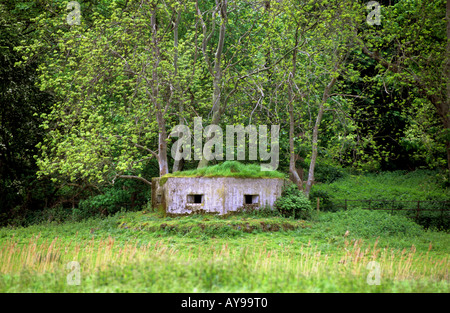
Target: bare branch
134,177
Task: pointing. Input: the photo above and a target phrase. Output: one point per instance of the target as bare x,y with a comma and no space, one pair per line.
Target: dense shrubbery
293,203
75,202
109,202
73,205
398,190
125,195
398,185
326,204
327,173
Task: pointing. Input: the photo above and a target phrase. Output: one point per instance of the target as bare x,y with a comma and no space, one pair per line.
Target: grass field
143,252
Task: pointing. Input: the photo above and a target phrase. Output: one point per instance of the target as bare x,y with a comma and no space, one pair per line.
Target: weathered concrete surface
216,195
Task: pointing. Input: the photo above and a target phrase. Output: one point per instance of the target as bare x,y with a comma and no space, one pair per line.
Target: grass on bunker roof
229,169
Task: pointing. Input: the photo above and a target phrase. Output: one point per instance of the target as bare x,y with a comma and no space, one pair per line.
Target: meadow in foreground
143,252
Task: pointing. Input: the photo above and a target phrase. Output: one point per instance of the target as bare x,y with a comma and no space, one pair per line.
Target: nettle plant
293,203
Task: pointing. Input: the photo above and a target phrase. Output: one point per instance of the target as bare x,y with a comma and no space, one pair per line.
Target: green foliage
265,211
116,87
138,259
433,214
415,89
325,201
328,173
396,185
387,187
21,103
57,214
108,203
293,203
103,123
210,226
229,169
125,195
368,224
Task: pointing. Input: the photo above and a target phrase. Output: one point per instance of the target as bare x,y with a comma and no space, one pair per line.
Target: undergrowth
397,192
197,226
397,185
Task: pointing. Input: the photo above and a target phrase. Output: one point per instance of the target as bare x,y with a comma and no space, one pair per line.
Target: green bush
57,214
293,203
124,195
327,173
107,203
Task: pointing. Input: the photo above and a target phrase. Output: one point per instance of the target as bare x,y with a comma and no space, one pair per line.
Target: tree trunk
177,164
292,168
162,146
217,105
447,77
162,138
315,140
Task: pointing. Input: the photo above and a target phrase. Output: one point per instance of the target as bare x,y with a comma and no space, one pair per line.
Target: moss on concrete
226,169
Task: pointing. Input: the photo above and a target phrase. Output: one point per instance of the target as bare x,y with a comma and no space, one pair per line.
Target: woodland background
86,110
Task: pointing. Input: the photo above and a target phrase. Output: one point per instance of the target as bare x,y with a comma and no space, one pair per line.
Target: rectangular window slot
251,199
158,199
195,199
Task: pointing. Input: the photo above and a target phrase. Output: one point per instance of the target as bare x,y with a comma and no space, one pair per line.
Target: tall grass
93,254
318,256
218,267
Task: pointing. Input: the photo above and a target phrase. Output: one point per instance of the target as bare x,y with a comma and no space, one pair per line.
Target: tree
321,36
225,55
116,82
21,103
412,45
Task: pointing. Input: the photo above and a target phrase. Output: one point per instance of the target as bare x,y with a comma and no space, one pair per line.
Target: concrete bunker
214,195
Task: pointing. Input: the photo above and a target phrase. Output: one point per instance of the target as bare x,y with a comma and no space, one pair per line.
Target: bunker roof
228,169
